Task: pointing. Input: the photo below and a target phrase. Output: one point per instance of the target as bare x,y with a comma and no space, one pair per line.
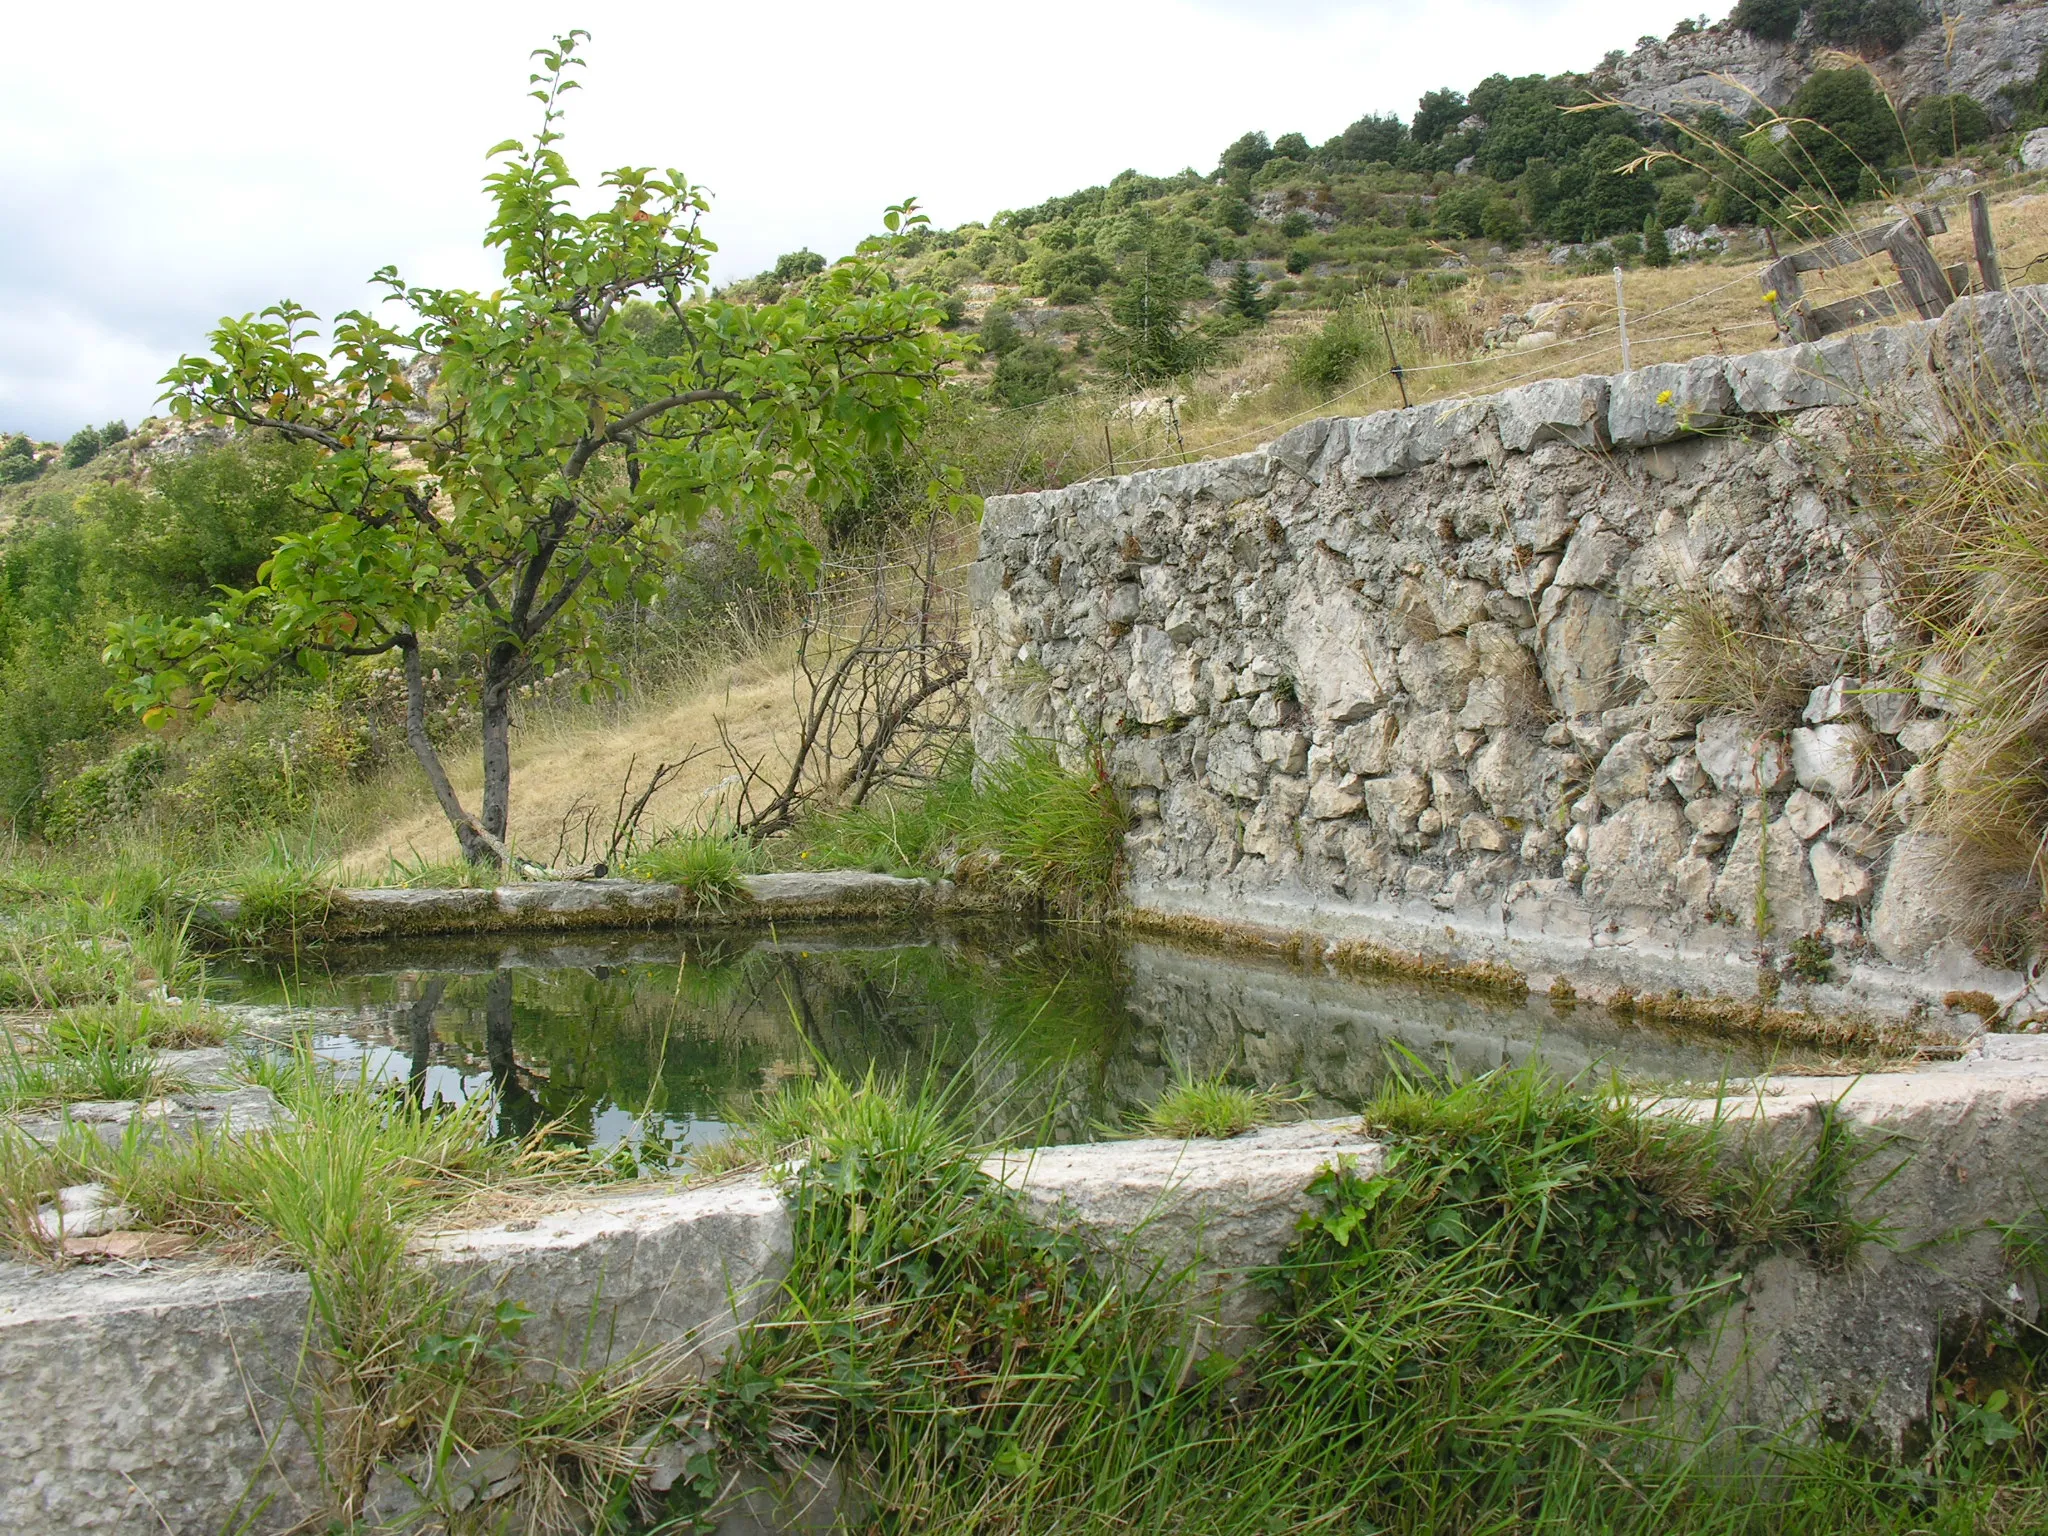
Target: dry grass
1969,544
566,767
1711,660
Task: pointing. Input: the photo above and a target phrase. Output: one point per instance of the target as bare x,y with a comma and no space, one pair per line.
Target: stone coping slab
558,905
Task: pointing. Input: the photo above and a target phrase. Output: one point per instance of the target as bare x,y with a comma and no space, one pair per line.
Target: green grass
1028,824
1209,1107
102,1069
1460,1342
710,867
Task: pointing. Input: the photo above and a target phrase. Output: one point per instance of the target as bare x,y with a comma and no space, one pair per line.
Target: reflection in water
1040,1034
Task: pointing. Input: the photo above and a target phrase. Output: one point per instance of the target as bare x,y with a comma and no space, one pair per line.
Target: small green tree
556,463
1146,336
795,266
1946,125
1656,246
18,461
1247,153
1842,136
81,447
1244,298
1775,20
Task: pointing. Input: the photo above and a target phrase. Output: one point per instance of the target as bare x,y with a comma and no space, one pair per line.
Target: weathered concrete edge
169,1398
1663,965
561,906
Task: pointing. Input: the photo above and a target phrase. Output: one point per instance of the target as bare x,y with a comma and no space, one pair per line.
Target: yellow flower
1664,397
1771,297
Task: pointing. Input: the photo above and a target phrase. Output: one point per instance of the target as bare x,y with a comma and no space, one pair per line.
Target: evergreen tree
1146,336
1656,248
1243,296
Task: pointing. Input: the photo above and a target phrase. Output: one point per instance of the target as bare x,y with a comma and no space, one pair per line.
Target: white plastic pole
1621,315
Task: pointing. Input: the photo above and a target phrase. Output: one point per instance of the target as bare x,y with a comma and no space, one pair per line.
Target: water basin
1047,1034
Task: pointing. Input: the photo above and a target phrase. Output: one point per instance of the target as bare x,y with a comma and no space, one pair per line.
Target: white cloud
165,166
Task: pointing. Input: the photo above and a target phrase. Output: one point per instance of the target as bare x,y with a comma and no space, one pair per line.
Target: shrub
1296,224
81,447
795,266
105,793
1028,373
1773,20
1946,125
1348,344
1299,260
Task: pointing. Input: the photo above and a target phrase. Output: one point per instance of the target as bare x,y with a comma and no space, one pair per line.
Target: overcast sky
161,166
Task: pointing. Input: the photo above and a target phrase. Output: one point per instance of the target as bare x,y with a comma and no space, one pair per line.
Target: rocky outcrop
1413,678
1974,47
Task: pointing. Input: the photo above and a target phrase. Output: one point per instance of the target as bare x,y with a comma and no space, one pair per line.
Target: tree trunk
496,702
475,848
518,1112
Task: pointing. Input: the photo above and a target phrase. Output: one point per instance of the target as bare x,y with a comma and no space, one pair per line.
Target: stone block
1302,449
1570,411
1808,813
1914,910
1772,857
1215,1211
1830,759
1581,655
1631,856
1739,759
1795,378
666,1277
151,1400
1379,446
1665,401
1839,876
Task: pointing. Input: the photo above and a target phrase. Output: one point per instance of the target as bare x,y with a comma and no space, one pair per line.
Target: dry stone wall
1398,678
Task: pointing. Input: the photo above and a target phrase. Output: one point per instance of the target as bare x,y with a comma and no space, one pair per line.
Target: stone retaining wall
1395,679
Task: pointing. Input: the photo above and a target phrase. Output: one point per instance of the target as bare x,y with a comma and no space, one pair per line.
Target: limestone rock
1838,876
1829,759
1771,856
2034,150
1631,856
1713,815
1553,410
1667,400
1808,813
1913,912
1222,1209
1739,759
82,1210
1629,771
1582,652
1343,665
1923,737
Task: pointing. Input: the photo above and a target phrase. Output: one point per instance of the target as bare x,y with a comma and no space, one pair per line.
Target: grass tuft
710,867
1210,1107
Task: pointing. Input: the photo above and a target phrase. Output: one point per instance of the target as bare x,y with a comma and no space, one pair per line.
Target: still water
1043,1034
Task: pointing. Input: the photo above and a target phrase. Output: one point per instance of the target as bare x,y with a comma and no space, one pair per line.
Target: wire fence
1556,357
